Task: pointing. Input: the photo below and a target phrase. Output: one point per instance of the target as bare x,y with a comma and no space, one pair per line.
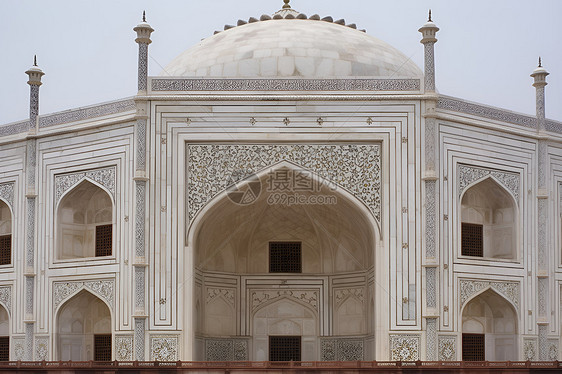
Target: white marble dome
292,48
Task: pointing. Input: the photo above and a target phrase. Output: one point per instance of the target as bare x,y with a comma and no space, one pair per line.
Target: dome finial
35,60
429,18
143,16
286,6
540,62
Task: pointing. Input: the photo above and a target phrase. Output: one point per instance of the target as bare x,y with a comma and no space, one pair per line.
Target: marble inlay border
15,128
211,167
6,298
7,193
276,84
87,113
467,174
458,105
62,291
510,290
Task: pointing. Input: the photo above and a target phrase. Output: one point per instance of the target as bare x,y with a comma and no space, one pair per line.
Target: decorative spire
35,60
286,6
143,16
429,18
540,62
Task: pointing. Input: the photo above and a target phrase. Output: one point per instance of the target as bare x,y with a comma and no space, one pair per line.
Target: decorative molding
6,298
549,125
164,348
139,288
18,350
278,84
542,284
430,219
431,287
143,66
41,348
123,348
226,349
343,294
553,349
140,213
342,349
103,176
429,64
404,347
509,290
225,293
139,338
357,168
29,288
31,150
447,348
82,114
458,105
7,193
15,128
468,174
30,233
62,291
530,349
141,144
542,234
259,297
29,327
431,339
543,343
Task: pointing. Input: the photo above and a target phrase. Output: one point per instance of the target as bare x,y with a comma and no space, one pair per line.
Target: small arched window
5,234
488,222
85,223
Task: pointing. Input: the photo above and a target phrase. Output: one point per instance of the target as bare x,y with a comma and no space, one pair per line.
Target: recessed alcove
5,234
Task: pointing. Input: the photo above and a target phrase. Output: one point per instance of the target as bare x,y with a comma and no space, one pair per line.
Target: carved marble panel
6,298
30,233
431,287
553,350
103,176
341,294
276,84
404,347
139,338
41,348
260,297
210,168
431,339
510,290
543,343
530,348
342,349
141,144
226,349
447,348
7,193
105,289
467,174
140,212
430,219
18,349
164,348
227,294
123,347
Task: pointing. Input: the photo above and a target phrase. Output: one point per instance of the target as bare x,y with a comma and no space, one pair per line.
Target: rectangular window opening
472,242
285,257
284,348
473,347
102,347
104,240
4,348
5,249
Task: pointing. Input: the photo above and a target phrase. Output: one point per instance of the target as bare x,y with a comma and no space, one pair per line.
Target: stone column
543,317
140,262
431,188
34,82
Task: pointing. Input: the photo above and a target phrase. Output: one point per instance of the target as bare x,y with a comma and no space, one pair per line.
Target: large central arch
238,301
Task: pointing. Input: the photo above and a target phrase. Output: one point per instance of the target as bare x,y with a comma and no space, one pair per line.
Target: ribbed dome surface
292,48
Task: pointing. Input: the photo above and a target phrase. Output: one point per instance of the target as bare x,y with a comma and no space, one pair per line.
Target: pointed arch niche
5,234
232,250
84,329
85,223
488,221
489,329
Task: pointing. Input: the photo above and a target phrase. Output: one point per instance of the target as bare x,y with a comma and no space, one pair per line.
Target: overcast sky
485,53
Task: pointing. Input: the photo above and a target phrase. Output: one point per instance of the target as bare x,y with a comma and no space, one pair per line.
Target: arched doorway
292,263
85,223
84,329
489,329
488,221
